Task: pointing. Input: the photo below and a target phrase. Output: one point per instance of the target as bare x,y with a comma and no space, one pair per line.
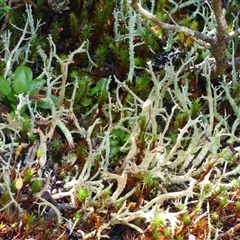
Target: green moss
237,205
55,145
194,25
186,219
29,173
214,216
181,120
4,198
4,9
180,237
74,25
82,194
223,201
55,31
195,109
167,232
36,186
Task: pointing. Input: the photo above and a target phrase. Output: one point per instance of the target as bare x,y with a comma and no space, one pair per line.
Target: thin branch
232,34
220,18
220,45
189,32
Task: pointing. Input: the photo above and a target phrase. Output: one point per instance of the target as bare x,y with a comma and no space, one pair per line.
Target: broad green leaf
5,86
35,84
13,98
45,105
22,78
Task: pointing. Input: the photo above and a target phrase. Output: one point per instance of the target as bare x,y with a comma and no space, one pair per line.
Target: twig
176,28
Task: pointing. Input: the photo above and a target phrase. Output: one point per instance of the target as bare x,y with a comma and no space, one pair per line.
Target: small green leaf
94,91
5,86
86,102
22,78
98,87
114,150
